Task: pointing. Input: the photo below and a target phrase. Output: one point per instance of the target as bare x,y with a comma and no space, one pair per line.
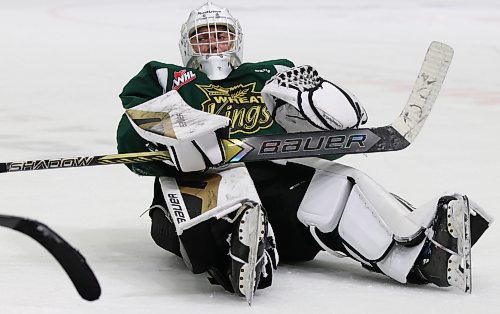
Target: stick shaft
400,134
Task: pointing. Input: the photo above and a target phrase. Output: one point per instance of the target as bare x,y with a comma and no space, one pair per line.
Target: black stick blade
69,258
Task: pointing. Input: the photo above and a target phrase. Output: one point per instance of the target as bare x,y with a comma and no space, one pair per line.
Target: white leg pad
362,227
236,184
424,214
375,227
324,201
391,212
399,261
357,257
235,188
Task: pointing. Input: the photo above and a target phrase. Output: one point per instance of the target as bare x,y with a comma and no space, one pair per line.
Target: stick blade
69,258
425,91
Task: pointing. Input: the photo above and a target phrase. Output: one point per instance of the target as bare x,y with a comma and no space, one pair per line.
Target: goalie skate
247,249
447,258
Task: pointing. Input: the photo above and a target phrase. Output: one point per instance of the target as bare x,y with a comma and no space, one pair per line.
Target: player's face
212,39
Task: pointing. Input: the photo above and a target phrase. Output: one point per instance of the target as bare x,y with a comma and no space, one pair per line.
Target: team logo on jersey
181,78
241,103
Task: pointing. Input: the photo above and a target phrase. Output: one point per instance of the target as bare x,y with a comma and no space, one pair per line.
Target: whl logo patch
181,78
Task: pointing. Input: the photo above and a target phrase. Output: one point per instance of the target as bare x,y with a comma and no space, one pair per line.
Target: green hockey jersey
237,97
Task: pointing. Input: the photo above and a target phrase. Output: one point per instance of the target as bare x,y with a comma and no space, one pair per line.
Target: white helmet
218,48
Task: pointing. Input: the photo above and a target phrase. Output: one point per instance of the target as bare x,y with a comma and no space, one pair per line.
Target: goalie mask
211,41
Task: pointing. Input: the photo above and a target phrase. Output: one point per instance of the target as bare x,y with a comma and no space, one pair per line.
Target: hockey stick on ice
69,258
396,136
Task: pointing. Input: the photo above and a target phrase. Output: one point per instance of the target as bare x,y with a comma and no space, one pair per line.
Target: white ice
63,64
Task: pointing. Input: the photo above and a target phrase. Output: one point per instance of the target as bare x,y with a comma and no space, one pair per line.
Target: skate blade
460,266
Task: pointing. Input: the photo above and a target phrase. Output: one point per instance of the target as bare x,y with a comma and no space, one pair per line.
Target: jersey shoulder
274,65
149,83
282,62
156,65
155,79
158,69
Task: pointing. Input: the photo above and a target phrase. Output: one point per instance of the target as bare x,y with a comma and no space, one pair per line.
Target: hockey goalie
237,222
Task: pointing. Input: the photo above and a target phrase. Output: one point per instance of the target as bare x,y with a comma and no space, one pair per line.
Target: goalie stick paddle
396,136
69,258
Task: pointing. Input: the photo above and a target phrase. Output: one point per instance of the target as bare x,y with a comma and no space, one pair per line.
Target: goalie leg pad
362,228
374,227
386,233
320,209
388,207
196,197
400,260
222,228
198,204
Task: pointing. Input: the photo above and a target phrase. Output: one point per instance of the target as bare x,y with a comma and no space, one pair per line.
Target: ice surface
63,63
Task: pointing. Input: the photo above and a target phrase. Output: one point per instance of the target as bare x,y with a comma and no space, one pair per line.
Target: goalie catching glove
191,136
300,100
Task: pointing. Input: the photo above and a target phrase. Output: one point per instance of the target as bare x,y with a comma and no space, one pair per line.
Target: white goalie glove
191,136
300,100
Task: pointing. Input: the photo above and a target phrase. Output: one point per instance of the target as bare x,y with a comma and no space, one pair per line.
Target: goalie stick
396,136
69,258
